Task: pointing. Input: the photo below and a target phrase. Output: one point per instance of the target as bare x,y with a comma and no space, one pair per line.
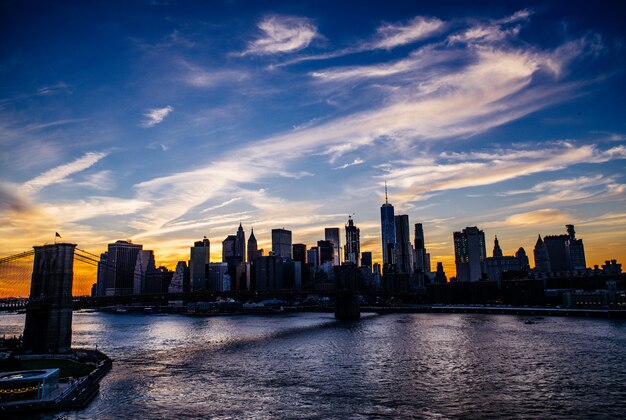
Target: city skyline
203,117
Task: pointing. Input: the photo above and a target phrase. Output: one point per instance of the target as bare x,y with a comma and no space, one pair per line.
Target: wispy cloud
392,35
282,34
155,116
356,161
61,173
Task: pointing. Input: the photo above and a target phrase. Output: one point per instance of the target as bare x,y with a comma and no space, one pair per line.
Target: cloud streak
282,34
60,173
155,116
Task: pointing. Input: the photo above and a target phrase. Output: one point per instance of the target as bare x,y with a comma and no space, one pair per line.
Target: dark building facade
253,250
469,253
353,243
404,251
121,261
388,232
332,235
299,253
281,243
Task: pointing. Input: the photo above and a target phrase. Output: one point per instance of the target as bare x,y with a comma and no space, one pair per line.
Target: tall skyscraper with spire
252,247
240,243
353,243
387,225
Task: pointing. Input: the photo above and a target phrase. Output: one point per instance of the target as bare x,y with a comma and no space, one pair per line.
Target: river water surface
307,365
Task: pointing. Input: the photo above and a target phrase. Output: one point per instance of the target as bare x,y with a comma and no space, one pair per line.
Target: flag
56,235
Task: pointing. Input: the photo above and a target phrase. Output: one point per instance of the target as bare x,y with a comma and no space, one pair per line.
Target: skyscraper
521,256
229,248
353,243
199,258
121,260
422,258
404,251
469,253
575,250
366,259
299,253
325,252
387,225
252,247
144,265
240,244
281,243
557,252
542,260
332,235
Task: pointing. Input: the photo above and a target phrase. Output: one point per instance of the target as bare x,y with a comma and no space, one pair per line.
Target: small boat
529,322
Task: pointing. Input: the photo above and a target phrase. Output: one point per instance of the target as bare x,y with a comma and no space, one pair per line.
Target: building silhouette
440,275
180,279
575,250
557,252
199,258
281,243
240,243
422,258
366,259
469,253
143,266
404,250
121,262
523,259
388,231
253,250
299,253
542,260
229,248
353,243
332,235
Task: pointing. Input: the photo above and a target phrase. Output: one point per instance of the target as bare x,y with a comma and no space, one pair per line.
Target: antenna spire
386,201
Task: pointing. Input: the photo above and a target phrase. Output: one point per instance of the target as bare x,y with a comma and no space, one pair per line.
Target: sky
166,121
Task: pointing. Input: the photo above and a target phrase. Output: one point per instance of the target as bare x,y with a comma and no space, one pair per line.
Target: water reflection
309,366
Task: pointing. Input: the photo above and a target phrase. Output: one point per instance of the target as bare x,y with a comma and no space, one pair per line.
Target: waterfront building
218,279
469,253
158,280
121,261
353,243
366,260
332,235
199,258
240,243
281,243
611,267
542,260
145,264
253,252
499,264
180,279
269,273
404,250
388,231
299,253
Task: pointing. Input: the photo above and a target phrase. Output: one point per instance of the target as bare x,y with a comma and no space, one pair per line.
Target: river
307,365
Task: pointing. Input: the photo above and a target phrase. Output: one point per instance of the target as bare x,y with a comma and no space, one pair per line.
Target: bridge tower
48,327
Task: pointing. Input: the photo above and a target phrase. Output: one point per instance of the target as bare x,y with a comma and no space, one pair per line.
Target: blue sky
167,121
